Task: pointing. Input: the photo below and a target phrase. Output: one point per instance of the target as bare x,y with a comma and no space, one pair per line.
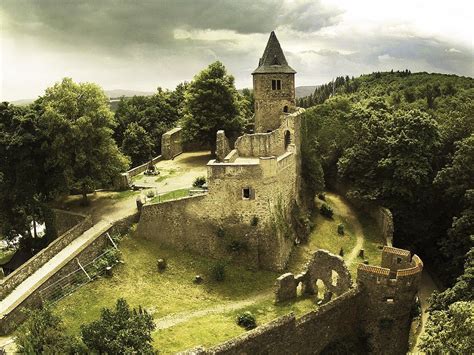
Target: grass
172,291
172,195
214,329
123,194
324,234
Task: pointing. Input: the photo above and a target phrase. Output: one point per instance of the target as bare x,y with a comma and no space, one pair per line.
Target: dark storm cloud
118,24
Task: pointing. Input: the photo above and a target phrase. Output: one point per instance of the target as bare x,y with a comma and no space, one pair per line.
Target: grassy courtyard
188,314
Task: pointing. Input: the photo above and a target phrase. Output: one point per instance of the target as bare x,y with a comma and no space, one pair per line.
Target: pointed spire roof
273,59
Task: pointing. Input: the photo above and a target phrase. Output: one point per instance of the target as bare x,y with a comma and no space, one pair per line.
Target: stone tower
389,295
274,87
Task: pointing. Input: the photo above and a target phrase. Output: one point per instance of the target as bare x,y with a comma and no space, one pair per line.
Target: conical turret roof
273,59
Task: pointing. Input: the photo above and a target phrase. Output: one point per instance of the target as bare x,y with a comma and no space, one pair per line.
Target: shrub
220,232
218,272
199,181
326,210
340,229
254,221
247,320
150,194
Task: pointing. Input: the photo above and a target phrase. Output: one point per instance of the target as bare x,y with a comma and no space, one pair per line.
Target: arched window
285,109
287,139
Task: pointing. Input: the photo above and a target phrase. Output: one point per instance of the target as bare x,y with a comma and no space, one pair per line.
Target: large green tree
212,103
120,331
78,122
137,144
25,183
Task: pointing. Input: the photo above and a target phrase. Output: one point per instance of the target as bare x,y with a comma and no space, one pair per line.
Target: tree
78,122
211,104
25,183
44,333
450,331
120,331
391,160
155,114
137,144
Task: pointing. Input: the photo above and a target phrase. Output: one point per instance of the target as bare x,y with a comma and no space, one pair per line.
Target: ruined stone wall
270,104
64,220
309,334
171,143
269,144
384,220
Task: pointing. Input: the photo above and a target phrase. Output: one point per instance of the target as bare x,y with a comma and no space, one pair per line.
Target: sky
145,44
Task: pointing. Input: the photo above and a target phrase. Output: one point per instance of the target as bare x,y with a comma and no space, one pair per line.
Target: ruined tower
273,86
389,295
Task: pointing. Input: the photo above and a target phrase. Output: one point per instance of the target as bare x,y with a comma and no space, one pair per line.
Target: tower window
285,109
276,84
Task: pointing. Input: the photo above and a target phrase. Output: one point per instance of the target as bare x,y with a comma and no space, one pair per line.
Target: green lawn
123,194
172,195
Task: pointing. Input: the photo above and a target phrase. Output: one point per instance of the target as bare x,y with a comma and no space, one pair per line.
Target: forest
405,141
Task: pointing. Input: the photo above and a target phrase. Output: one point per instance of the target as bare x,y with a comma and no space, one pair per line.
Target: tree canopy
120,331
212,103
79,125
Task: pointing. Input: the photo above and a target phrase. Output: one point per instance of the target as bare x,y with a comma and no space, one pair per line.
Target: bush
218,272
340,229
247,320
150,194
254,221
199,181
326,210
220,232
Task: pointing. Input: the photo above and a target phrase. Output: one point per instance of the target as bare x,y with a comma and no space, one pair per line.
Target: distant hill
127,93
112,94
302,91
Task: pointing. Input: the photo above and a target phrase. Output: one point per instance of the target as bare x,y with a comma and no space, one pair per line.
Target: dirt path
177,318
427,286
343,209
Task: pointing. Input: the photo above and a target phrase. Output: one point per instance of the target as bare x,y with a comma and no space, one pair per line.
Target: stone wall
191,223
87,254
63,220
122,181
171,143
309,334
384,220
321,266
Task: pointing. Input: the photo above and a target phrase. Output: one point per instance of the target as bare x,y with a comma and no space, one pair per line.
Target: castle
247,213
252,188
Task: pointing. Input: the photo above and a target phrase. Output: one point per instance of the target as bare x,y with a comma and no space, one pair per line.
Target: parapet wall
77,225
171,143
